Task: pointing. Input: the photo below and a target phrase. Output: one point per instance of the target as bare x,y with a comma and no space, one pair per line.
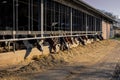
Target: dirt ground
96,61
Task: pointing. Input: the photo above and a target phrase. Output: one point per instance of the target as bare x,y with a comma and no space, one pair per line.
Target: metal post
39,16
71,20
29,15
32,18
45,15
54,16
13,15
8,45
101,25
86,24
14,44
95,25
17,15
59,27
42,16
112,31
14,23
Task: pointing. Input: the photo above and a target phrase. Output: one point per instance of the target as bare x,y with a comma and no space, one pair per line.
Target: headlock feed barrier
35,23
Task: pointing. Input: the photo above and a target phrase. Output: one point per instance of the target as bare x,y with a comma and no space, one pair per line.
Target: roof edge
83,3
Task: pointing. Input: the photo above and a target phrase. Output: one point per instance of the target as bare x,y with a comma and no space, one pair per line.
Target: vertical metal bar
92,23
95,24
13,15
54,14
82,21
59,21
86,23
101,25
45,16
16,15
14,44
39,14
29,15
51,17
32,17
42,16
112,31
65,18
71,20
14,23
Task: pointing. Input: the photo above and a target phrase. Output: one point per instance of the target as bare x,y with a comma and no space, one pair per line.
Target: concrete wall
106,29
10,58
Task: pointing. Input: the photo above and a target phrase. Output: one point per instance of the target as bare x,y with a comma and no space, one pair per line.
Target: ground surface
96,61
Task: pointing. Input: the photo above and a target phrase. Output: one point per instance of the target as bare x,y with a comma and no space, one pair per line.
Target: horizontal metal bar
33,38
45,32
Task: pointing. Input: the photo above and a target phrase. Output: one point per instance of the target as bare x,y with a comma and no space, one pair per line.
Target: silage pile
40,63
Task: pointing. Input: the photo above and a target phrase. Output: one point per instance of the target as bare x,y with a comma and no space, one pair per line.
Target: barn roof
86,5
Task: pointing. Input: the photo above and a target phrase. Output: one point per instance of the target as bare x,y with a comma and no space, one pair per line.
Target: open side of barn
48,26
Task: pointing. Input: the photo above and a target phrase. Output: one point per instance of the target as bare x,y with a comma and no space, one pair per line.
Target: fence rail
46,34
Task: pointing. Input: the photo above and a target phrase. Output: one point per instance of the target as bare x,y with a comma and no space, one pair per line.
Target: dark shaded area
117,36
116,73
19,15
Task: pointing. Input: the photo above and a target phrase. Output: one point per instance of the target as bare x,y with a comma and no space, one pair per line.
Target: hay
74,55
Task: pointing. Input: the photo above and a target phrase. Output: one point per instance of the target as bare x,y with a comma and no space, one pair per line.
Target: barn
43,17
25,24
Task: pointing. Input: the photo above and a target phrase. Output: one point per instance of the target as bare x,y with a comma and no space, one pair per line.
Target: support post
86,24
71,20
95,25
14,42
39,15
101,25
29,15
16,15
32,16
42,16
13,15
95,29
14,22
8,46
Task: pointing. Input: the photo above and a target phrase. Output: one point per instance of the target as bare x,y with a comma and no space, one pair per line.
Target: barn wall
106,29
